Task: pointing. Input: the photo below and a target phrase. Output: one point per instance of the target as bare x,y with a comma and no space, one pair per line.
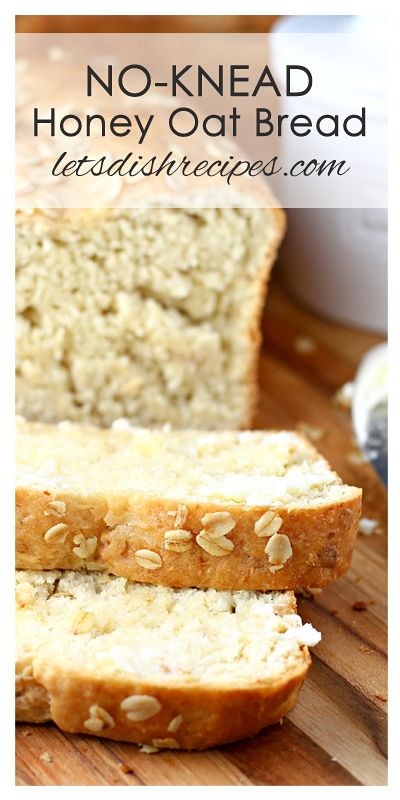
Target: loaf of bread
166,668
245,510
148,314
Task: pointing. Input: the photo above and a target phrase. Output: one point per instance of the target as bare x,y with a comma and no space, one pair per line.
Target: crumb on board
360,605
334,611
125,768
365,649
309,594
148,748
382,696
344,395
46,757
26,732
312,432
304,344
356,458
367,526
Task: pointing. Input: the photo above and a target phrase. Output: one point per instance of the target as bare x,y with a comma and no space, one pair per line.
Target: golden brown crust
321,536
254,331
210,715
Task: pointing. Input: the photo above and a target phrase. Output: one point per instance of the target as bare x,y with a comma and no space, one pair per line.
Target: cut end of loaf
254,468
149,314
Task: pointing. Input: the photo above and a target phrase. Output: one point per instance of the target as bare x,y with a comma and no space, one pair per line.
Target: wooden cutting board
336,735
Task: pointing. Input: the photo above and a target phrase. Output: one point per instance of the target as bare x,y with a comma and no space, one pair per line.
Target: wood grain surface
336,735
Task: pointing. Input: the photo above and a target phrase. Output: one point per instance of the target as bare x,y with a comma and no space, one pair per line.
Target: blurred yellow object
194,23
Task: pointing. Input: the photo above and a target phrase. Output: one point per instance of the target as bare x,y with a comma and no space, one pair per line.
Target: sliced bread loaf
167,668
251,510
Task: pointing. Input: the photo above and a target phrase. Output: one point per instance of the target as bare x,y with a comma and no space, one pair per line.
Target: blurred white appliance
335,259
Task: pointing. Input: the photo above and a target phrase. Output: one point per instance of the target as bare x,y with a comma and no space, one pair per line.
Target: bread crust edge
211,716
322,540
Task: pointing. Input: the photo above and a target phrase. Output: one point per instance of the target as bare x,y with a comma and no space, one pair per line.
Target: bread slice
171,668
250,510
151,314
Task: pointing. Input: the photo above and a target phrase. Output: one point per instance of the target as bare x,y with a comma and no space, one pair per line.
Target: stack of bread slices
156,577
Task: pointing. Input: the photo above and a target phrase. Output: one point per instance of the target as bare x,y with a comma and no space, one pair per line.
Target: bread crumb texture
256,468
148,314
167,637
